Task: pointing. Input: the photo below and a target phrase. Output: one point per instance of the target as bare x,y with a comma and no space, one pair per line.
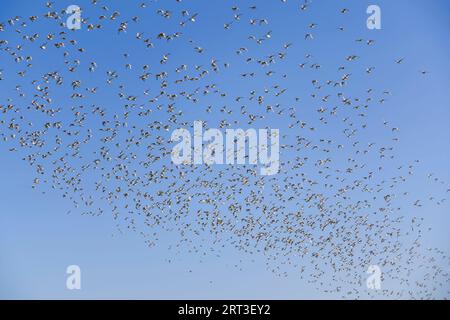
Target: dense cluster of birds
100,136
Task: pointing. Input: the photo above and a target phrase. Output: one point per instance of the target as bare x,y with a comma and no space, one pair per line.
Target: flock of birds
100,136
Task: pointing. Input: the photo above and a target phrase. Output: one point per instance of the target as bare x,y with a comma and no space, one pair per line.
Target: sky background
38,239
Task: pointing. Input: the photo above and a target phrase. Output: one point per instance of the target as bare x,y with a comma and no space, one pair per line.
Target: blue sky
38,239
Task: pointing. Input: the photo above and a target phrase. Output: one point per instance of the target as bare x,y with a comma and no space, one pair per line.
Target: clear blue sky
38,239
